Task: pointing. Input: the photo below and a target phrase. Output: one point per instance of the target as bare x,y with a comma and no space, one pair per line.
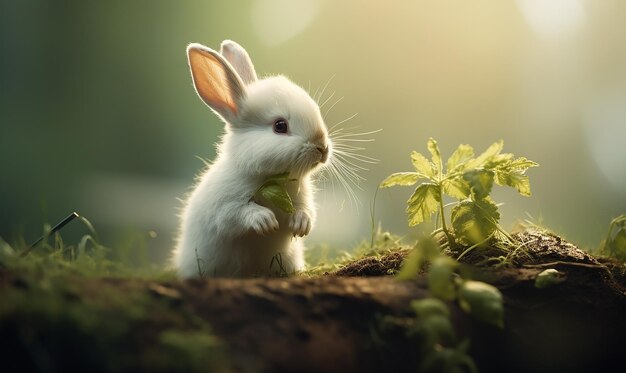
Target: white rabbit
272,127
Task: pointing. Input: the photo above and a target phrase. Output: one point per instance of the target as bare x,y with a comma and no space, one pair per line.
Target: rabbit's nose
324,152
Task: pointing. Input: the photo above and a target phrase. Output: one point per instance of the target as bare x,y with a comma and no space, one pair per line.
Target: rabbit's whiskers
347,162
317,97
331,107
327,99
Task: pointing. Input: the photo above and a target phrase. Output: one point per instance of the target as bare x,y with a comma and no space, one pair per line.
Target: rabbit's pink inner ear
215,82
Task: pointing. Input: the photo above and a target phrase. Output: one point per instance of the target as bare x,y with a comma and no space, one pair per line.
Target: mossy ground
70,308
67,311
79,306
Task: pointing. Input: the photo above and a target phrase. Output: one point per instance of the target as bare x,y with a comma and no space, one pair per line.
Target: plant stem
443,221
372,222
473,247
440,180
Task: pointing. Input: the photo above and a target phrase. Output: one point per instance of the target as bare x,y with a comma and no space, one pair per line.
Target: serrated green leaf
440,281
522,164
433,148
475,221
480,161
457,188
480,183
423,203
429,307
511,173
514,179
483,301
549,277
278,196
422,165
461,155
400,178
498,161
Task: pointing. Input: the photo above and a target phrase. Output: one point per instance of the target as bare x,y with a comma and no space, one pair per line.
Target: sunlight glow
605,129
553,18
277,21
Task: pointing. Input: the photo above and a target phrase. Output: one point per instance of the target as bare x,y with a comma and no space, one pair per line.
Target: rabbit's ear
215,80
239,58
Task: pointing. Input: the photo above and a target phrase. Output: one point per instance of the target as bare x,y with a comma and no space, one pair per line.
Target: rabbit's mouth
322,157
312,157
312,162
324,153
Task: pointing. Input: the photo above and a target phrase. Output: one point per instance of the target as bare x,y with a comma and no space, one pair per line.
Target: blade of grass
53,230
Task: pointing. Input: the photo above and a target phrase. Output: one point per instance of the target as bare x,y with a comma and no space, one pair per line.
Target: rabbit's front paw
263,221
300,223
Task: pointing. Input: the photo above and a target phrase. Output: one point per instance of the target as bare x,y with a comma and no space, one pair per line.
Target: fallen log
337,323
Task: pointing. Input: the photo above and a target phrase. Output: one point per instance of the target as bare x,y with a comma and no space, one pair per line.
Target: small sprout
440,281
425,250
549,277
430,306
443,359
483,301
434,321
438,328
274,191
615,243
411,265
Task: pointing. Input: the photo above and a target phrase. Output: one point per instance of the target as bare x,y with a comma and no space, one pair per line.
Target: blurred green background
98,115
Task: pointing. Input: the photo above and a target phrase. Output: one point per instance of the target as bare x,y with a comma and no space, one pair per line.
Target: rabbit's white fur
224,230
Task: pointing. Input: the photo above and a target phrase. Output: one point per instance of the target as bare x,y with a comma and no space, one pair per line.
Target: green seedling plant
615,243
468,179
481,300
434,326
442,350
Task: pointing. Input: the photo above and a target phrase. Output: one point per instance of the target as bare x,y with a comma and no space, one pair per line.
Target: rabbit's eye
281,126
